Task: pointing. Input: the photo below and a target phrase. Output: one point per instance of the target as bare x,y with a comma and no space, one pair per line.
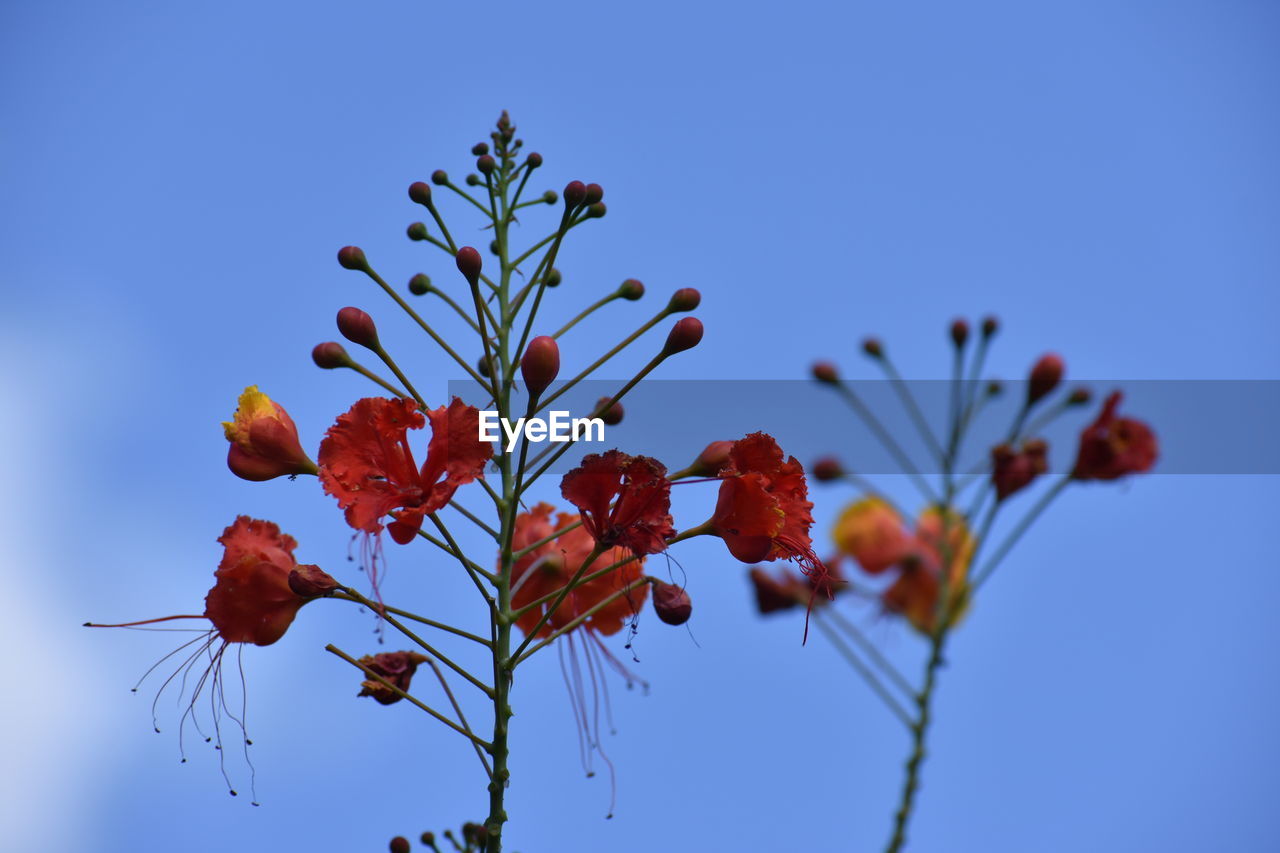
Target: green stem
919,733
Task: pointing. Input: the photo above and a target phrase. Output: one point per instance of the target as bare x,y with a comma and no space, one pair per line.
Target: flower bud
472,180
685,334
1045,376
417,231
671,603
550,197
420,284
469,264
482,365
826,469
311,581
428,838
574,193
611,416
494,248
990,325
540,364
399,844
553,277
713,459
263,440
357,327
486,164
1079,397
597,210
995,388
534,160
420,193
959,332
825,371
352,258
873,347
439,177
330,355
631,289
594,193
684,299
480,148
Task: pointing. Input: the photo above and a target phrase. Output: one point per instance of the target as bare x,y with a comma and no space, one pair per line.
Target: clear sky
177,177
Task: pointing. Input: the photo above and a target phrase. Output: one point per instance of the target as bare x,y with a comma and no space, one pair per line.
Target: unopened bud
631,289
534,159
480,148
990,325
959,332
482,365
826,469
428,838
494,248
486,164
995,388
417,231
330,355
873,347
420,284
685,334
439,177
595,192
597,210
472,180
671,603
399,844
553,277
357,327
713,459
550,197
352,258
469,264
311,581
1045,376
540,363
684,299
611,416
825,371
1079,397
574,193
420,193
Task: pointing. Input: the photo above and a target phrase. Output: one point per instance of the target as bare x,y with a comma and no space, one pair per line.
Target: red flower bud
594,193
1013,471
469,264
1045,376
540,363
826,469
534,159
994,388
1079,397
357,327
352,258
671,603
825,371
417,231
311,581
684,299
263,440
990,325
873,347
420,193
684,335
399,844
473,180
631,289
420,284
611,416
1112,447
480,148
959,332
574,193
439,177
486,164
330,355
712,460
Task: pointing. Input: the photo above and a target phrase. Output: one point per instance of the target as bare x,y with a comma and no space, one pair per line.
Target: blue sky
177,179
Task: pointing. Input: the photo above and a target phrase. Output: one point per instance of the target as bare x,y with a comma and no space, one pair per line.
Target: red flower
367,464
624,500
264,440
1012,471
396,667
545,571
1111,447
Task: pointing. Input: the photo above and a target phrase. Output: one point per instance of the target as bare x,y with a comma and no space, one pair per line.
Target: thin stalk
1047,498
462,718
873,680
919,731
416,618
895,450
913,408
587,312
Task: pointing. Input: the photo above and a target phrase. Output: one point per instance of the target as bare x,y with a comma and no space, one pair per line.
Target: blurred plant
924,572
576,579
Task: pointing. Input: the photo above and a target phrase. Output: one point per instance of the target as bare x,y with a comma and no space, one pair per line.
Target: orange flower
941,539
367,464
264,440
624,500
872,532
545,571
